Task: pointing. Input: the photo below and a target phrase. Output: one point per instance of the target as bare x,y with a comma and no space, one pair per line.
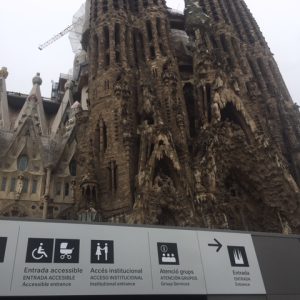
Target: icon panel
238,256
167,254
3,242
66,251
39,250
102,252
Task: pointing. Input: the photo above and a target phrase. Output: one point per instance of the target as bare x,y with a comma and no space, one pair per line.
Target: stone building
171,119
37,150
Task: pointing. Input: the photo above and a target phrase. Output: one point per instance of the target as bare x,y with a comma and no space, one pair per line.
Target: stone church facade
170,119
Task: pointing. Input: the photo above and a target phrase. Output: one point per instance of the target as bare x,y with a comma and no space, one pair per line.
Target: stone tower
189,122
137,111
233,40
238,82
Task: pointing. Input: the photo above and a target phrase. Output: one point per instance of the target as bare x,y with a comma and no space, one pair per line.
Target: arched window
125,4
23,163
117,43
34,186
106,85
25,185
188,91
3,184
106,45
67,189
145,3
73,167
58,188
12,184
116,4
113,175
105,6
96,53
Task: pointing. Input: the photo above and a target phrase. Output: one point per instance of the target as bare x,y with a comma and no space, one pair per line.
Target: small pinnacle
37,79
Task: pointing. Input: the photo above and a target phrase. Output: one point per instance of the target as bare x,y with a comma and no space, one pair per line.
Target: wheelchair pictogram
39,250
39,253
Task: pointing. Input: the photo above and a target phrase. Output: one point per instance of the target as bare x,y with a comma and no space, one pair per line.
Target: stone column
47,191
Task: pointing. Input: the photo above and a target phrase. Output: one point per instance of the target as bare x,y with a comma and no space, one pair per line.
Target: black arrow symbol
218,244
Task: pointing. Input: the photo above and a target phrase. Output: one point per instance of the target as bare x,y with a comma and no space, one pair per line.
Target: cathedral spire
66,102
34,108
4,116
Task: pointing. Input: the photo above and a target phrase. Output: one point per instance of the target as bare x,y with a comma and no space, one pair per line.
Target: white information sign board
176,262
43,258
230,263
8,243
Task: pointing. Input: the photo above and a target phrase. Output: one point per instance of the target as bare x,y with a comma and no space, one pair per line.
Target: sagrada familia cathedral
169,119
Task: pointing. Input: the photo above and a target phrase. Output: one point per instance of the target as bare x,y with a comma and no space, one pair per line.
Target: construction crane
56,37
75,30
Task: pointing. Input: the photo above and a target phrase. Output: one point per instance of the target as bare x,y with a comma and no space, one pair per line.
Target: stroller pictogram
65,252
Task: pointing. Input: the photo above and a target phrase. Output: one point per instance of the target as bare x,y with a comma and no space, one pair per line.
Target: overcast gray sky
24,24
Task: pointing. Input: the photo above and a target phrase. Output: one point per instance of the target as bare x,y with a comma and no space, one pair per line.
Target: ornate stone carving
3,72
